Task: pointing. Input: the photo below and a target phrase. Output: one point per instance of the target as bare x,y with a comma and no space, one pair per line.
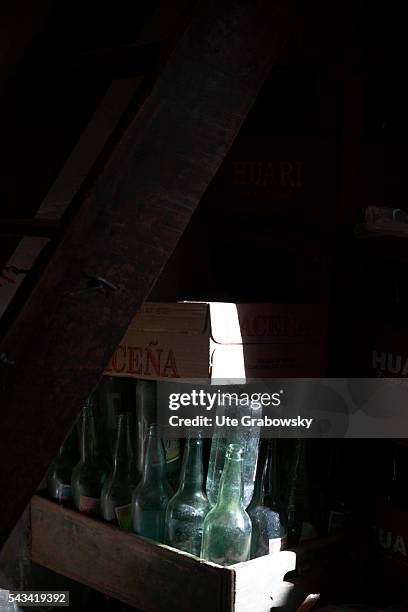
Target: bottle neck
258,497
70,446
298,476
146,400
89,450
154,469
231,485
191,478
121,455
272,476
130,436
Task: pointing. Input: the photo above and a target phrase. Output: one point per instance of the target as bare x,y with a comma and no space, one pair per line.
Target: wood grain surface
127,224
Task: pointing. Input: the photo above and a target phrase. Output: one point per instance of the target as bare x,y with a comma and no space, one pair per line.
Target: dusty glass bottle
146,415
246,437
268,532
152,494
188,508
117,491
227,527
90,473
60,473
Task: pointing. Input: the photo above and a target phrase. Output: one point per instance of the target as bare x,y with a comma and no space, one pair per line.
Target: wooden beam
127,225
28,227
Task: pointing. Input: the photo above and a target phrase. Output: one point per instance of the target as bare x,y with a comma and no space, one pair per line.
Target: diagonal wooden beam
125,230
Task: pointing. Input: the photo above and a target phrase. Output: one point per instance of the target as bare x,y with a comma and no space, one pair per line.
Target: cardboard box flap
179,317
267,323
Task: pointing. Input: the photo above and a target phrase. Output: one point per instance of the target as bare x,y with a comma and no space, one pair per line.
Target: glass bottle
116,395
340,516
300,523
227,527
273,497
59,475
134,475
188,508
117,491
246,437
146,415
90,473
268,533
152,494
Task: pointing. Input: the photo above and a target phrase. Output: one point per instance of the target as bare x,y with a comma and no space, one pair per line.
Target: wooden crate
150,576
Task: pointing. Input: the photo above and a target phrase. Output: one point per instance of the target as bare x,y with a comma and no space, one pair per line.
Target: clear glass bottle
246,437
188,508
268,532
146,415
60,473
117,491
90,473
152,494
227,527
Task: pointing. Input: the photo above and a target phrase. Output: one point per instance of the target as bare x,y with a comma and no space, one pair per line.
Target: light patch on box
227,360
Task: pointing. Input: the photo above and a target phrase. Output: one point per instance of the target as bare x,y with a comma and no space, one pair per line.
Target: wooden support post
125,230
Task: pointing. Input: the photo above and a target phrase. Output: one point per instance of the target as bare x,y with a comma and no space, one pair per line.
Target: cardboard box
217,340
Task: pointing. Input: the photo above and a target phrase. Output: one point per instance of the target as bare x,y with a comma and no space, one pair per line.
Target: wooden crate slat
132,569
259,583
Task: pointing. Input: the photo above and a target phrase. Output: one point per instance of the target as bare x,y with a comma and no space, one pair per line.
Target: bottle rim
235,451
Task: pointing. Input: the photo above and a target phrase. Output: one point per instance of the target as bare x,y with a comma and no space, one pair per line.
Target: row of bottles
244,511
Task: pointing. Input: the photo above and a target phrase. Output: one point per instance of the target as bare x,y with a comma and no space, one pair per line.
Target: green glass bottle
116,493
295,494
300,519
90,473
152,494
268,532
246,437
134,475
60,473
227,527
116,395
188,508
146,415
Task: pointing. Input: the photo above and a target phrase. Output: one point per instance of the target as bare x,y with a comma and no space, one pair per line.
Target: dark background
335,105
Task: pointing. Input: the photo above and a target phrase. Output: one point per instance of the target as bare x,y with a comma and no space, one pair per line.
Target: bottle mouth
195,436
153,430
235,451
87,411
